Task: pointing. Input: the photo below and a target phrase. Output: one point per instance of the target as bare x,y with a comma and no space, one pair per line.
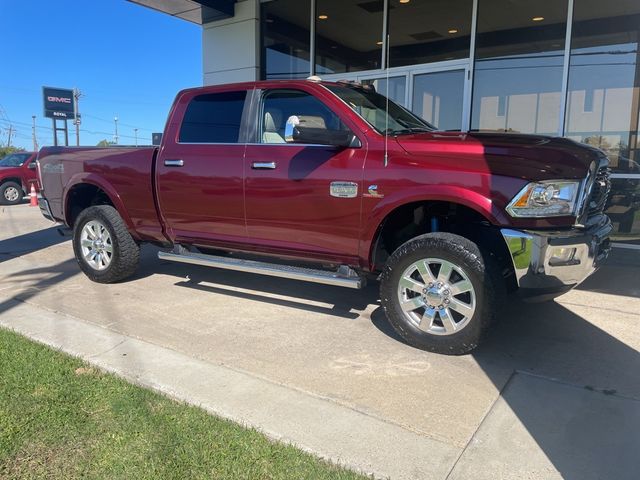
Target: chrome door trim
263,165
174,163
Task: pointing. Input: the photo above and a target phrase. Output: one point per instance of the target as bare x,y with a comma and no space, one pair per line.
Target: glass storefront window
348,36
438,98
397,88
604,80
285,39
429,31
518,68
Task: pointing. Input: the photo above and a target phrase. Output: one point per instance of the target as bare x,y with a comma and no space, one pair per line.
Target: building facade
550,67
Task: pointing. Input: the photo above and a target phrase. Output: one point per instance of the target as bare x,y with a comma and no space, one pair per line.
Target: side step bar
343,277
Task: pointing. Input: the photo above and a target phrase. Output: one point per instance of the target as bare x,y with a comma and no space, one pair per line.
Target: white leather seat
271,134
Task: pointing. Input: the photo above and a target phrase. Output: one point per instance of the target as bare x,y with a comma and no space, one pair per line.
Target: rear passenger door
200,170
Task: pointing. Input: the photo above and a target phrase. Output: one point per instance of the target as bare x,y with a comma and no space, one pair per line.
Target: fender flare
471,199
106,187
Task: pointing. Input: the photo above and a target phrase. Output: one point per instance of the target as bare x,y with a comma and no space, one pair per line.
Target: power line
91,132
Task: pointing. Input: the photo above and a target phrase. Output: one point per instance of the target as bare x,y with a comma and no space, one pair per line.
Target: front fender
106,187
443,193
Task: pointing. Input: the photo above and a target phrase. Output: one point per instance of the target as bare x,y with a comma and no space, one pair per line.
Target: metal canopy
200,11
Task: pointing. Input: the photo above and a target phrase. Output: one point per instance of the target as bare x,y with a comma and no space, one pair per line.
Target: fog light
562,256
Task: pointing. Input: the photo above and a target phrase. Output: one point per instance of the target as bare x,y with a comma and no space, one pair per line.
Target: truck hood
530,157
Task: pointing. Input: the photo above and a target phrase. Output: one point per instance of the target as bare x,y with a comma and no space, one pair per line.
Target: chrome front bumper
551,263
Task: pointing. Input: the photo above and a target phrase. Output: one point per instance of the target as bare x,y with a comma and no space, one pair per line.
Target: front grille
599,191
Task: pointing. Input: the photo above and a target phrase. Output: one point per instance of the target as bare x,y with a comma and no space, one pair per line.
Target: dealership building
550,67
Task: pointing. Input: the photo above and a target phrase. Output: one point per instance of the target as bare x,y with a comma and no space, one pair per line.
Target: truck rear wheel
439,293
10,193
103,247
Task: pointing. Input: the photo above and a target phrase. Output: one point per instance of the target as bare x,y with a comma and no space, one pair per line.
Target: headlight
551,198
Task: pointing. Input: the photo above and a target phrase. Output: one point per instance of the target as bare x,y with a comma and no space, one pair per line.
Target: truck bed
125,174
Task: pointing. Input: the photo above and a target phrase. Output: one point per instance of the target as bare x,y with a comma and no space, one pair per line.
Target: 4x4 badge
343,189
372,191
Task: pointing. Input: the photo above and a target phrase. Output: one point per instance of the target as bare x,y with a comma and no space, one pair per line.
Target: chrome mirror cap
292,122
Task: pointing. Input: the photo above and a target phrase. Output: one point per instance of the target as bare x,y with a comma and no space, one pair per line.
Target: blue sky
129,61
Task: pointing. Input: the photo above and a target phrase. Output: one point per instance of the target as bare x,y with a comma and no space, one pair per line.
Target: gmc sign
58,103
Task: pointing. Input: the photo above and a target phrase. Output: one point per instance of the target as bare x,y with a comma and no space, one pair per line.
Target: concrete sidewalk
318,366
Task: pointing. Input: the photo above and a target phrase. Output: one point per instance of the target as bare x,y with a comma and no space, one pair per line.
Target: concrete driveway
554,392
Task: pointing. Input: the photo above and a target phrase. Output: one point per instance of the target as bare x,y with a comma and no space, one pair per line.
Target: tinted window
279,105
428,31
285,39
518,71
213,118
348,36
603,104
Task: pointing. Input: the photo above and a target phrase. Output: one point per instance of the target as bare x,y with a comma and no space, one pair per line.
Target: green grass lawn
60,418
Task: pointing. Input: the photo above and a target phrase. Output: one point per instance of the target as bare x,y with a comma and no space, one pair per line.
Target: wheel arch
430,214
17,180
84,191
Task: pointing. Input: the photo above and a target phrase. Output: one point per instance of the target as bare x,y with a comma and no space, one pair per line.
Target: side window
213,118
279,105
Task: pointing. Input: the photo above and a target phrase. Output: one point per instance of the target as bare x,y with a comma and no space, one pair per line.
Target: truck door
200,170
302,197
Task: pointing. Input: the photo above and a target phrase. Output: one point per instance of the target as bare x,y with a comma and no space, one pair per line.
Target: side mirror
32,166
312,130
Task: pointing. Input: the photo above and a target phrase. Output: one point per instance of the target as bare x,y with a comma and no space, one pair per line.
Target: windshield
14,160
371,106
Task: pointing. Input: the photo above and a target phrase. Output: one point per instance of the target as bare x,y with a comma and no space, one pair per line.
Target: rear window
213,118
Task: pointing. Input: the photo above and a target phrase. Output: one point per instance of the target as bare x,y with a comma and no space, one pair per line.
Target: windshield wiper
407,131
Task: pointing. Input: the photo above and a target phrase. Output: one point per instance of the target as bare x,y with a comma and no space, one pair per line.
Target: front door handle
173,163
263,165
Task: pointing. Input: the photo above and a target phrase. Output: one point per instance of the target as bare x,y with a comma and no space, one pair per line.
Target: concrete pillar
231,47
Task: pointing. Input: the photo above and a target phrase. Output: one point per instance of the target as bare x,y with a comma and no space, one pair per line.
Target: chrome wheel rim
96,245
437,296
11,194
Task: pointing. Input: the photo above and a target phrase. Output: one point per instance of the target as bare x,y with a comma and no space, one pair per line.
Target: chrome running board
343,277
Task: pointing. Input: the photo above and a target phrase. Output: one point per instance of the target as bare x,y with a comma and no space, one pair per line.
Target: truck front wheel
103,247
439,293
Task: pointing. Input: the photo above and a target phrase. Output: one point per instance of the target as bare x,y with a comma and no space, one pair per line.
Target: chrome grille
599,191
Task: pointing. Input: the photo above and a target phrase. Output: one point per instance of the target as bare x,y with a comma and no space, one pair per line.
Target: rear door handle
263,165
173,163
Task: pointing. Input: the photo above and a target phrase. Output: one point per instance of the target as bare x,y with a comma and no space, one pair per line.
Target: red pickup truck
331,183
17,173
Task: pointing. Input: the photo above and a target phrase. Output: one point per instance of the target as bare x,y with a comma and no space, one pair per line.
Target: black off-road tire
482,272
6,186
126,252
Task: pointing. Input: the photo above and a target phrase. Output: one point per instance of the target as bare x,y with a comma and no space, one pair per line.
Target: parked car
288,172
17,173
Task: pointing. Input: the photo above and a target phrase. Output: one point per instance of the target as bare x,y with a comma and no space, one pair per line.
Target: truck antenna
386,110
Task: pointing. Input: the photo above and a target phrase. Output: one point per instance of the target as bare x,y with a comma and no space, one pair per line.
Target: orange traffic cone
33,200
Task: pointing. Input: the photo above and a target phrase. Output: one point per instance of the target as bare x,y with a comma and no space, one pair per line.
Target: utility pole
115,137
76,113
135,132
33,133
10,133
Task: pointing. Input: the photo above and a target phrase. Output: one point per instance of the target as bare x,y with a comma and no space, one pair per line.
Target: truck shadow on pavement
573,387
334,301
29,243
618,276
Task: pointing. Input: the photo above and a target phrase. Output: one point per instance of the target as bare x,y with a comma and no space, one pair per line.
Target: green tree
104,143
4,151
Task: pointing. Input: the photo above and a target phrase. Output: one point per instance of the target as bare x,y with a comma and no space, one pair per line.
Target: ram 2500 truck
329,183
